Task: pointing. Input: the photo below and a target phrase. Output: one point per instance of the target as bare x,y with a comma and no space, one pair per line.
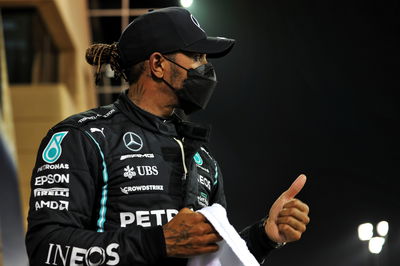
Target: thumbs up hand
288,216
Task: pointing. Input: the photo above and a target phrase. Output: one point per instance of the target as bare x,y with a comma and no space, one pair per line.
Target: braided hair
99,53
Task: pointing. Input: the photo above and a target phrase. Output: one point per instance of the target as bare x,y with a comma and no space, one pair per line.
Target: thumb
296,187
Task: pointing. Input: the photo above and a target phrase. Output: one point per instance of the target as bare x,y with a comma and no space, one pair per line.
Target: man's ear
157,64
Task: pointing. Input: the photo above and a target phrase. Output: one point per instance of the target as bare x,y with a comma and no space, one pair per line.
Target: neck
152,99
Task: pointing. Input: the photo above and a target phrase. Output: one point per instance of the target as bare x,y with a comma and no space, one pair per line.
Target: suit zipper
183,157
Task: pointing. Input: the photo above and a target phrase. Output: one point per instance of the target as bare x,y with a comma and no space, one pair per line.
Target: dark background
310,87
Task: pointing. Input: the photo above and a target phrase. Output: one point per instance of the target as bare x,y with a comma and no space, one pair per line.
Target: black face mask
197,88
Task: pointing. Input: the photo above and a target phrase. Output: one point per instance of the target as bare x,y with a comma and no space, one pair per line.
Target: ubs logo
132,141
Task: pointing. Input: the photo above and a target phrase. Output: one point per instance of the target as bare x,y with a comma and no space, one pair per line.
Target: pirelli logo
56,192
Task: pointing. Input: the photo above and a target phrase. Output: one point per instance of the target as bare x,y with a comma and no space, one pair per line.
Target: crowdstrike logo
133,141
133,189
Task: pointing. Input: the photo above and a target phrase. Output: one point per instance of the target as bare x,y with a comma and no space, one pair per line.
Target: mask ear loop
169,85
175,63
166,82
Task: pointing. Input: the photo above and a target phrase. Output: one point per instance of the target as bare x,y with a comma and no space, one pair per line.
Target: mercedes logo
132,141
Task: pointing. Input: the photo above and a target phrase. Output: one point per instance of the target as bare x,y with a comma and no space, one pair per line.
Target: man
118,185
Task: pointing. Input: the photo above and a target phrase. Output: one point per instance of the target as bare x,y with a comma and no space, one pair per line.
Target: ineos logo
95,253
132,141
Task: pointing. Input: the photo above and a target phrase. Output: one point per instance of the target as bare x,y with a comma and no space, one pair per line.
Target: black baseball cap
168,30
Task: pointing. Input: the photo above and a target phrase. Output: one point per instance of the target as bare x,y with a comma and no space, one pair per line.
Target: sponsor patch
95,129
133,141
194,20
202,199
127,190
52,179
204,181
144,155
129,172
94,117
53,149
54,205
143,170
147,218
57,192
53,167
93,256
197,158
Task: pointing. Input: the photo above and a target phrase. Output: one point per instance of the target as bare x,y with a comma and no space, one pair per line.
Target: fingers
296,187
189,233
209,248
204,228
296,209
296,203
207,239
289,233
292,220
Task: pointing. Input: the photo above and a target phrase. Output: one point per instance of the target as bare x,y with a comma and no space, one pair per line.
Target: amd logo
71,256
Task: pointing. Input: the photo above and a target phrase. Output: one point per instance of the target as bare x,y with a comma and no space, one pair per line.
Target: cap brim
212,46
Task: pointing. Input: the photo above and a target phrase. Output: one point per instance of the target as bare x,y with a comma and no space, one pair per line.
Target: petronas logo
53,150
197,159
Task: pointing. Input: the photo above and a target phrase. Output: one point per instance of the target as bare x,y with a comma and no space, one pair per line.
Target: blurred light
365,231
382,228
375,244
186,3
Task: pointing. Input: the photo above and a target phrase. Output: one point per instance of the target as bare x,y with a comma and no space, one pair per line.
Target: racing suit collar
174,127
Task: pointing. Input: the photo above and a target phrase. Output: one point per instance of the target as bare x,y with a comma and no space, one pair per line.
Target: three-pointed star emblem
132,141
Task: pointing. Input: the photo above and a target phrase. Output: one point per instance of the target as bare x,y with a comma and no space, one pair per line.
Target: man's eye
197,57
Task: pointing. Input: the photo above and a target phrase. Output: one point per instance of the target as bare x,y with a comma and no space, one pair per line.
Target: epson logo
146,218
71,256
51,179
